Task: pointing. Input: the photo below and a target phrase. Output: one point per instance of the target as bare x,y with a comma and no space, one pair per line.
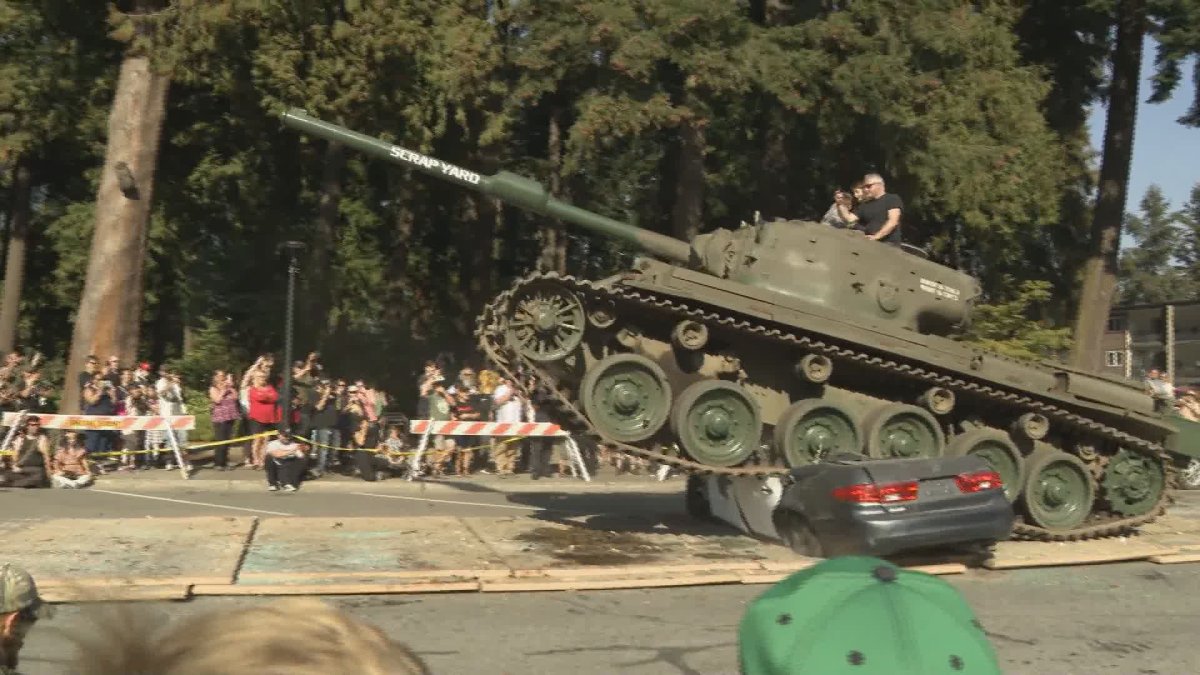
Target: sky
1165,152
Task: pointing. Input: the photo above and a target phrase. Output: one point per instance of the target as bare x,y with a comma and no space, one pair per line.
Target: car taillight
979,481
869,493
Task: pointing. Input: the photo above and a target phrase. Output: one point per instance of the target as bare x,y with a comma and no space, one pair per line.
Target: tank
748,351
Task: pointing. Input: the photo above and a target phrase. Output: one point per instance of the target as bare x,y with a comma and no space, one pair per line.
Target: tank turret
827,267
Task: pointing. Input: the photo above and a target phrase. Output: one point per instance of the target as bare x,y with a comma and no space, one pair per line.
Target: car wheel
799,536
695,499
1189,475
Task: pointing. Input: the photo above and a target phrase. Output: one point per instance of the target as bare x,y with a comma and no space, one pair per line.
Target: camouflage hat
18,592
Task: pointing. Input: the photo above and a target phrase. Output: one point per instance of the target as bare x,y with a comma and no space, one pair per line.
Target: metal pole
293,249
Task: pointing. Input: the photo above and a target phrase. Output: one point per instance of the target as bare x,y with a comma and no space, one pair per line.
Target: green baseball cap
863,616
18,592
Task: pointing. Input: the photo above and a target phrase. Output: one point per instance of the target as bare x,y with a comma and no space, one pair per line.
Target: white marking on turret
940,290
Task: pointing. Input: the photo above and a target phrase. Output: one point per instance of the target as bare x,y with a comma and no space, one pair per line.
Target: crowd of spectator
345,426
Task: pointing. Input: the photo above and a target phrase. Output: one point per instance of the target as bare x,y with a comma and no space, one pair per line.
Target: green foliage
198,404
210,348
1007,326
975,113
1177,30
1150,271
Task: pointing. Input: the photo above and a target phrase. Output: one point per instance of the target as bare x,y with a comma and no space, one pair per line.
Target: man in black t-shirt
879,215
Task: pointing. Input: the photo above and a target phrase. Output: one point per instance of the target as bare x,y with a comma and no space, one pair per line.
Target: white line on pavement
451,501
184,501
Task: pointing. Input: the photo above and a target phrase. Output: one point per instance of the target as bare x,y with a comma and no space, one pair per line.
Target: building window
1116,322
1114,359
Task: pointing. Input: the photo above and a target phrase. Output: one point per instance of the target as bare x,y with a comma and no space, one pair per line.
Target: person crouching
71,468
284,462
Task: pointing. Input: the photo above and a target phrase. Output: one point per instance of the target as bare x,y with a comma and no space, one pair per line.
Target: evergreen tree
1189,252
51,57
1173,23
1148,270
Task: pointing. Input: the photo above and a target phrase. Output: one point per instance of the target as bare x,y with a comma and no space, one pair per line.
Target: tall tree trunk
1100,271
320,280
478,260
110,309
14,264
554,238
687,212
773,169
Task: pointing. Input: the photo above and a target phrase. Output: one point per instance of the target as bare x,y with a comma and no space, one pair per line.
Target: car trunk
935,477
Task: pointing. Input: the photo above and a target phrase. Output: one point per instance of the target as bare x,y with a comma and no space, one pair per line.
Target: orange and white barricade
428,428
167,424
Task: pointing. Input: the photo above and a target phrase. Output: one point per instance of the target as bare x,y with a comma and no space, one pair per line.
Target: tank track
490,334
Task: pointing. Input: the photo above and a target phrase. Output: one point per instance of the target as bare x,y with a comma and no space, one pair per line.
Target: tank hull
1068,433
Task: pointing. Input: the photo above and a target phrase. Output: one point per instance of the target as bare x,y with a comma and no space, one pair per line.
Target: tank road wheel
899,430
1058,490
626,396
998,450
546,322
1133,483
717,423
810,430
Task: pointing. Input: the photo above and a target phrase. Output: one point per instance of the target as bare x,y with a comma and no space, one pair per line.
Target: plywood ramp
176,558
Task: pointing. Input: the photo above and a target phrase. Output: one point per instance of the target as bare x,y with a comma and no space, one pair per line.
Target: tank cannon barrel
508,187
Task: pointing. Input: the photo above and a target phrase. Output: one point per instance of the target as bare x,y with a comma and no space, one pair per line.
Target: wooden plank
108,582
1045,554
334,589
114,594
323,546
939,568
775,577
1175,558
765,577
789,565
640,571
490,574
136,548
607,584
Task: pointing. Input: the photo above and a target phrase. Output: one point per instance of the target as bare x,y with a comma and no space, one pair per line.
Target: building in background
1164,336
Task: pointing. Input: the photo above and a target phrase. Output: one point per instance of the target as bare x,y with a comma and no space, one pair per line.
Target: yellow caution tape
408,453
197,446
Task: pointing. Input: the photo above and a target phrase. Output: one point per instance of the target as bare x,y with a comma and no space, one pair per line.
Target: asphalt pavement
1136,618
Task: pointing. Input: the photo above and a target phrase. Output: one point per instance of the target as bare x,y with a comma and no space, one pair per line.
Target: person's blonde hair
488,381
296,636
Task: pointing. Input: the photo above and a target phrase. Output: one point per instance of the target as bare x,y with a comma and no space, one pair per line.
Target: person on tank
878,216
851,200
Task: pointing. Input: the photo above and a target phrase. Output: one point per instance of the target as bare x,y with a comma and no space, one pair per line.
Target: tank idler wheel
546,322
626,396
998,450
717,423
1189,475
899,430
1133,484
1059,490
808,431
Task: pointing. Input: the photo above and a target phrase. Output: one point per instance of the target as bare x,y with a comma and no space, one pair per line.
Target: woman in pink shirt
225,412
263,415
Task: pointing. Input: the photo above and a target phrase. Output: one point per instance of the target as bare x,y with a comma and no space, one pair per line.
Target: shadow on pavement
629,512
